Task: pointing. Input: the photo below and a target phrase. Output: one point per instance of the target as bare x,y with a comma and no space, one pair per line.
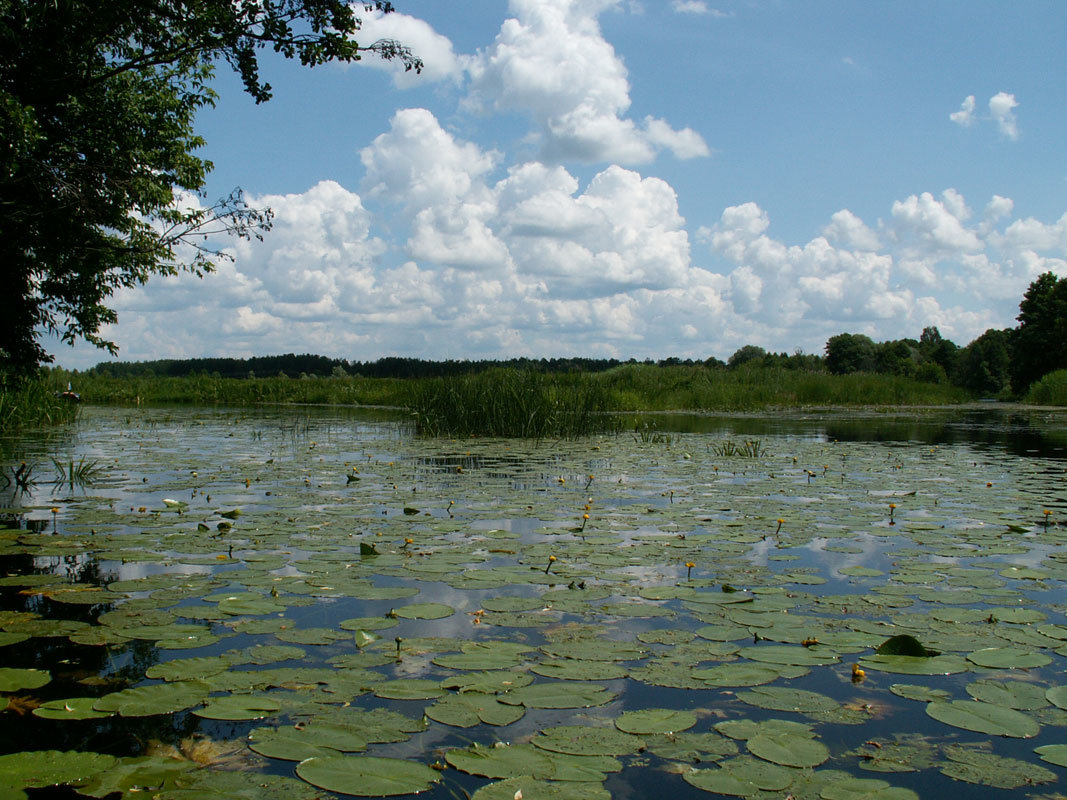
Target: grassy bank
486,395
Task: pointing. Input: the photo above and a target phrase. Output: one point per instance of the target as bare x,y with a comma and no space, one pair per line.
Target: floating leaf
916,665
788,749
559,695
12,679
162,698
987,769
36,769
367,776
740,777
921,693
984,718
655,720
424,611
1053,754
238,707
1013,694
1008,658
865,789
533,789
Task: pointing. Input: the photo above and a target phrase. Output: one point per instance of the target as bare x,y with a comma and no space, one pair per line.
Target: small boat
70,395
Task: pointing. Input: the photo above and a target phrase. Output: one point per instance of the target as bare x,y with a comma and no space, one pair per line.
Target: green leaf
584,740
12,679
984,718
559,695
367,776
655,720
788,749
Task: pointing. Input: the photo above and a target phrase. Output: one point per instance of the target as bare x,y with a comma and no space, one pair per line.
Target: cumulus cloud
1002,107
965,116
440,62
550,60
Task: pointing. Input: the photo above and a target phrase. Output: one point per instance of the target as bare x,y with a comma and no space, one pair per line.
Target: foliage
982,366
1051,390
1039,344
850,352
33,403
510,402
99,181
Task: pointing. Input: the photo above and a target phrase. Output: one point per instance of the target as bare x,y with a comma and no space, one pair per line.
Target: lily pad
559,695
656,720
12,679
238,707
424,611
994,720
367,776
585,740
162,698
788,749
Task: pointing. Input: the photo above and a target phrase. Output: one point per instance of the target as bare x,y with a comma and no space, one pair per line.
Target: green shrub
1051,390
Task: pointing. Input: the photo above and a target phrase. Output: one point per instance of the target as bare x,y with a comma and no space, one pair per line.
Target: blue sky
634,179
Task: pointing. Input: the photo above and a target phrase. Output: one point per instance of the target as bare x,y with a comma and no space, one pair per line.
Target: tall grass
512,403
211,390
34,404
1051,390
651,388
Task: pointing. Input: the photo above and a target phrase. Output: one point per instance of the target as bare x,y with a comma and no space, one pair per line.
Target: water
245,526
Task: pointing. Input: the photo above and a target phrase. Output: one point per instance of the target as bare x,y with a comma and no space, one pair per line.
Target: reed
510,403
34,404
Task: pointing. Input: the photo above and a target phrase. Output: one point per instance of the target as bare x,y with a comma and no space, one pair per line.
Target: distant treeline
294,366
1000,363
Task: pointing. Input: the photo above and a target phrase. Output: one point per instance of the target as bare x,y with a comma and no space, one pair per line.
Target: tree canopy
1039,344
100,184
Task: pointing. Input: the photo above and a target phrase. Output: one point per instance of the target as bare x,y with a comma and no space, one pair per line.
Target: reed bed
34,404
510,403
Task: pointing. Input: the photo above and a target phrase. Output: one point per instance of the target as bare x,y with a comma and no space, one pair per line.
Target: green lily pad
741,777
1008,658
865,789
736,675
988,769
367,776
71,708
572,670
36,769
923,694
468,710
559,695
534,789
994,720
12,679
780,698
1053,754
162,698
788,749
132,775
238,707
1013,694
585,740
409,689
916,665
511,761
424,611
656,720
785,654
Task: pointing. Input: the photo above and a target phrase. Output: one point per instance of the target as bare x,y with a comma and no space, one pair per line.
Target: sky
632,179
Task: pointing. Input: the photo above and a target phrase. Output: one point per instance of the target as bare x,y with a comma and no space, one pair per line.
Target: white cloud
965,116
1002,107
689,6
551,60
440,62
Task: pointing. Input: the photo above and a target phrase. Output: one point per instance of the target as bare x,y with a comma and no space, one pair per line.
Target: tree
935,348
983,365
850,352
1039,344
748,354
100,186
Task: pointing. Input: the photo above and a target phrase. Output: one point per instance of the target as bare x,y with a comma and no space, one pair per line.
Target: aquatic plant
747,449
